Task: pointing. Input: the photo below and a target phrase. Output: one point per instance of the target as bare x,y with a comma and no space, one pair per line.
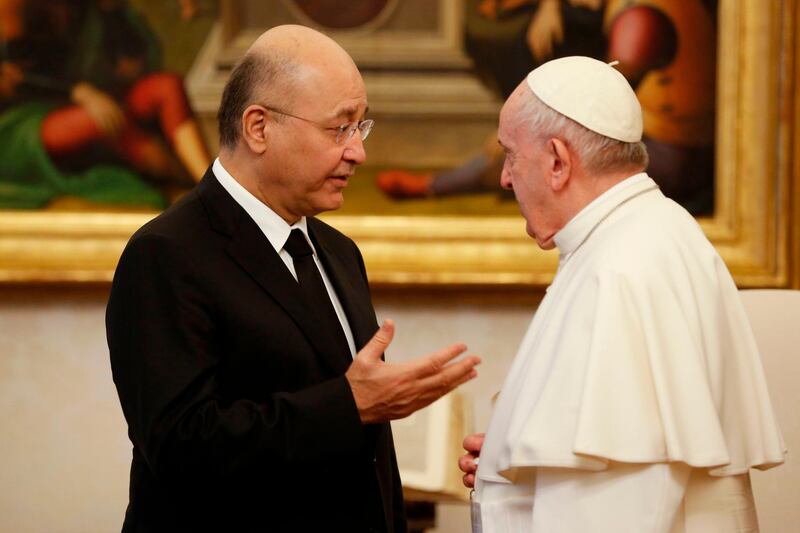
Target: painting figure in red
506,39
82,82
666,50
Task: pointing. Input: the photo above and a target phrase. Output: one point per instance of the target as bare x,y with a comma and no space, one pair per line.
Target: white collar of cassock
269,222
578,229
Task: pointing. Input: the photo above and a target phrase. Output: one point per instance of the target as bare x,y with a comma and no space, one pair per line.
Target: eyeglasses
343,133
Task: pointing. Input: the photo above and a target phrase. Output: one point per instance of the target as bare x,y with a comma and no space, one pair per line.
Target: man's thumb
379,342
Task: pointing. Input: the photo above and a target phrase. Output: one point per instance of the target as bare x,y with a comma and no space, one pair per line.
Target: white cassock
637,401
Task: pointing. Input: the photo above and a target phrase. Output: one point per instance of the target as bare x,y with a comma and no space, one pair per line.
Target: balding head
302,46
279,67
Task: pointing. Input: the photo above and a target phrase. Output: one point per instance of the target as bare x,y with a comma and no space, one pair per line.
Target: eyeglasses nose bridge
365,128
346,135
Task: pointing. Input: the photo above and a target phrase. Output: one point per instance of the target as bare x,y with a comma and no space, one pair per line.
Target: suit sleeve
165,358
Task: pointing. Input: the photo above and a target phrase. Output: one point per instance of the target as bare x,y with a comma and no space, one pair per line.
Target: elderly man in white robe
637,401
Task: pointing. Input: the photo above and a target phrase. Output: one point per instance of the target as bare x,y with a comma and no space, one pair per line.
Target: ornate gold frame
754,226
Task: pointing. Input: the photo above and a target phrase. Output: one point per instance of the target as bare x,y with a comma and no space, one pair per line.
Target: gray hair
597,153
255,77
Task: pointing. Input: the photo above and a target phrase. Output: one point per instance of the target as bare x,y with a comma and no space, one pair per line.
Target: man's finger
473,443
373,350
454,371
467,464
433,364
452,376
472,374
457,374
469,480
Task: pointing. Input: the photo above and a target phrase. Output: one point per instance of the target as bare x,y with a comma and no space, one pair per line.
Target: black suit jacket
238,410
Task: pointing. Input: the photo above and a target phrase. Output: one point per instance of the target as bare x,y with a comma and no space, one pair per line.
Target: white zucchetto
592,93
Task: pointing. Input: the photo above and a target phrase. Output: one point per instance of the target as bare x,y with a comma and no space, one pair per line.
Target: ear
561,163
255,122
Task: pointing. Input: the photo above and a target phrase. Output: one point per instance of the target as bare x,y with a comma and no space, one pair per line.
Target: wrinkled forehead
332,89
510,113
322,75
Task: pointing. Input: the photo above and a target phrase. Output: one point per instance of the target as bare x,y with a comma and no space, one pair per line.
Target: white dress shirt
277,231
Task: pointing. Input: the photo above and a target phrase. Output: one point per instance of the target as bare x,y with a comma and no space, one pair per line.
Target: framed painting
95,122
754,221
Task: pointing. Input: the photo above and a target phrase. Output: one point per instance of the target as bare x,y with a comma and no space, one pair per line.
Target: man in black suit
241,328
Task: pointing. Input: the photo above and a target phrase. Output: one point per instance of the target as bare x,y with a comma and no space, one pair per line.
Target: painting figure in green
85,109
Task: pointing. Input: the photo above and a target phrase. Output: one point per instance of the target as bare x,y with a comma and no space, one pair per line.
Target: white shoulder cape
640,352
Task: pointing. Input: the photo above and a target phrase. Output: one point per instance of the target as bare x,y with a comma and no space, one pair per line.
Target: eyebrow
348,111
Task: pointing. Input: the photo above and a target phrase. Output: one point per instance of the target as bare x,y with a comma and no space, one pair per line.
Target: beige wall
64,453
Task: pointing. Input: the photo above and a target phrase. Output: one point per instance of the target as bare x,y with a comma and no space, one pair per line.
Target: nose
505,178
354,150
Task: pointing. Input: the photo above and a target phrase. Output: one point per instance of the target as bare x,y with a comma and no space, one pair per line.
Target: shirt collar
269,222
578,228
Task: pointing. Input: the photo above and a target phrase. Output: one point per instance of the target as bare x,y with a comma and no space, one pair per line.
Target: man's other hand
388,391
468,463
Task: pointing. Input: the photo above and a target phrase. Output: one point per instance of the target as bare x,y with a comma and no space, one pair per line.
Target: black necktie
313,288
318,301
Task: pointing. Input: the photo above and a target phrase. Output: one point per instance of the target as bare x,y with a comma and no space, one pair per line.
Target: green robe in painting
28,177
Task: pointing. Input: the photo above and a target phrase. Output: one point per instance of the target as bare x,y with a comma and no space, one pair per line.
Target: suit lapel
251,250
356,303
357,306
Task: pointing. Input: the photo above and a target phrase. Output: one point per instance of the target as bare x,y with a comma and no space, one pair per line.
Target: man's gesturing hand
388,391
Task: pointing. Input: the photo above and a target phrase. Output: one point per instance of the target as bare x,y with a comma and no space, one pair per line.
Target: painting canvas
91,113
667,50
426,209
94,113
